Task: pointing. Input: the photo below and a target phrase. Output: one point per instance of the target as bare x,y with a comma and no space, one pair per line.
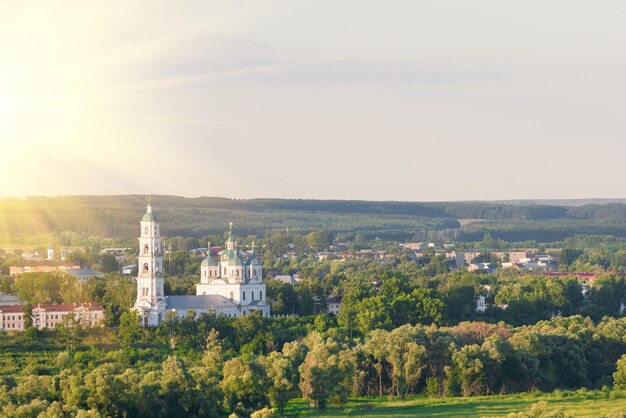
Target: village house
49,316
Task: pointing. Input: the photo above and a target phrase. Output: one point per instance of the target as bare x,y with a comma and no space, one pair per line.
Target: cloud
339,72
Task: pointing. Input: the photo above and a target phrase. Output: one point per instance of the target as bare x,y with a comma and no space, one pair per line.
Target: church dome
237,260
149,215
232,257
208,261
253,261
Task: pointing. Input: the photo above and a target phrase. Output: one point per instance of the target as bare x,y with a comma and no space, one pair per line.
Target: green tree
406,358
619,377
283,376
568,256
326,372
70,332
377,347
245,382
27,310
106,392
177,388
470,362
319,240
130,330
108,263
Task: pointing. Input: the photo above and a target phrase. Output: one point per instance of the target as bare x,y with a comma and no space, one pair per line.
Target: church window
260,295
146,249
237,272
244,295
158,268
224,271
156,248
145,230
252,297
146,268
231,295
205,273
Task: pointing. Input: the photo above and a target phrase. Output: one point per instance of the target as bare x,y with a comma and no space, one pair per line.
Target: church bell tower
150,303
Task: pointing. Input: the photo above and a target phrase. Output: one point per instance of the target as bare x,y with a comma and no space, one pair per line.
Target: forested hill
117,216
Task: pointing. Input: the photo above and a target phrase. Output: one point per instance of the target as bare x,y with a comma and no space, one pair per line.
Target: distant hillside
118,216
561,202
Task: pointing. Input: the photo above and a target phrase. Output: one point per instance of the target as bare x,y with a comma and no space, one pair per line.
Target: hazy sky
385,100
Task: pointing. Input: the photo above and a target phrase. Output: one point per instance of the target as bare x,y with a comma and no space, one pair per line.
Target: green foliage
619,377
326,371
130,330
69,332
538,410
245,382
47,288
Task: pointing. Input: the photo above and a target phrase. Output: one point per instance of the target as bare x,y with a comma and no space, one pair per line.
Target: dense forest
219,366
117,216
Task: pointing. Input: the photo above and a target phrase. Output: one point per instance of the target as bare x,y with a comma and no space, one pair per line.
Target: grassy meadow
580,403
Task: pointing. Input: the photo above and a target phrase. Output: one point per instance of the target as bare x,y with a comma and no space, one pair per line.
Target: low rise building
83,274
481,304
285,278
415,246
49,316
333,304
6,299
40,267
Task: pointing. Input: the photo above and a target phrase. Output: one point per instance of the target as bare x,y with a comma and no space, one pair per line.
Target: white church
231,285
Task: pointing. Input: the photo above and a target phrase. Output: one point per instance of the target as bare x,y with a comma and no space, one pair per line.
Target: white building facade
231,286
150,303
235,276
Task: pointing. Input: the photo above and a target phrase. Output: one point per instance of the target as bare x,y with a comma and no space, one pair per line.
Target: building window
145,231
237,272
252,297
146,249
146,268
224,271
260,295
244,295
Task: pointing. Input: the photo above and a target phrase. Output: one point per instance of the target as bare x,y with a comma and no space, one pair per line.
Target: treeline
213,367
541,231
117,216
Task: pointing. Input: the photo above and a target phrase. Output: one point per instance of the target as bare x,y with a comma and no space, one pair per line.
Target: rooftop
198,302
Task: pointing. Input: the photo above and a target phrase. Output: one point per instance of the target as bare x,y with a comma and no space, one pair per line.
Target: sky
379,100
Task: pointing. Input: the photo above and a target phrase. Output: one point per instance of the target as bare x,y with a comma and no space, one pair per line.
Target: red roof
11,308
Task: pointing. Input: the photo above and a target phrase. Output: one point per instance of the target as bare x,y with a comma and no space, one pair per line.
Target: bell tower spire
150,301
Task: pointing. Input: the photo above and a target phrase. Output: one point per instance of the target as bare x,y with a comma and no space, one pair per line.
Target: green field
577,404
